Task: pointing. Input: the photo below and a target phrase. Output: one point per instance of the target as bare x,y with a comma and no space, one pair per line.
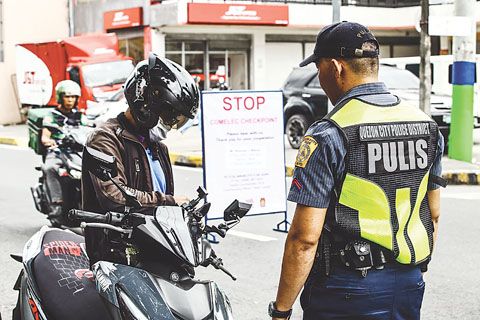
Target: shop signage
125,18
253,14
244,151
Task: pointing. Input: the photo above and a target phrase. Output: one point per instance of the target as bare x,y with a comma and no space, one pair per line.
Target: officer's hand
179,200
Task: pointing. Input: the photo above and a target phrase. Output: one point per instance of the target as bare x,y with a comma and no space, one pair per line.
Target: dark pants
396,292
52,179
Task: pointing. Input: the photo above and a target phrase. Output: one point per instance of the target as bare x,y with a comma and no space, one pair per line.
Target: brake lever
228,273
218,230
217,263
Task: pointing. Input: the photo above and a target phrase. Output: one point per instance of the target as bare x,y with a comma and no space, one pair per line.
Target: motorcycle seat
66,285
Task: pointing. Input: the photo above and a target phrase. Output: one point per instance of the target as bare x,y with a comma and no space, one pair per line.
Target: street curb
13,141
9,141
196,161
453,178
466,178
186,160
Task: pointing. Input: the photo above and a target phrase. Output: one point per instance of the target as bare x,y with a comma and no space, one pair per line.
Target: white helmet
66,88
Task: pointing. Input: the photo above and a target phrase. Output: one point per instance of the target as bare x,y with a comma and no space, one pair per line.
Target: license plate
447,118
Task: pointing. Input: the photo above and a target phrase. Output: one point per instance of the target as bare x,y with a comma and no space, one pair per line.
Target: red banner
126,18
252,14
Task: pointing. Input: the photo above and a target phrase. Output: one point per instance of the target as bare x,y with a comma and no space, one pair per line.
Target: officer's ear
337,68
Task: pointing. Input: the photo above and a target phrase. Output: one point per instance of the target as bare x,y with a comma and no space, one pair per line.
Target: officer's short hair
367,65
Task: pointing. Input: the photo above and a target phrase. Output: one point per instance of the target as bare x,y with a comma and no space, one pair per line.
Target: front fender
130,290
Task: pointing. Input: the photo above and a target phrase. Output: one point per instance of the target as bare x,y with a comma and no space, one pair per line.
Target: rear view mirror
100,164
236,210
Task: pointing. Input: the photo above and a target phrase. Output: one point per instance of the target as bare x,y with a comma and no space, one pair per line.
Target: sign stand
243,150
283,223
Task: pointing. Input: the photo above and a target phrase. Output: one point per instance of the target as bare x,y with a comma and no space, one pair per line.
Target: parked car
305,101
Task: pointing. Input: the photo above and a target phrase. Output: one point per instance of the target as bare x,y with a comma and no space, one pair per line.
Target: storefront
218,43
212,61
128,25
243,46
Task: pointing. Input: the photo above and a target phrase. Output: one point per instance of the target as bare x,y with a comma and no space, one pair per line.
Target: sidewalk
186,149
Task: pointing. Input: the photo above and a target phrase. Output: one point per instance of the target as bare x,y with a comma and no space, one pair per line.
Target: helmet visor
172,118
182,120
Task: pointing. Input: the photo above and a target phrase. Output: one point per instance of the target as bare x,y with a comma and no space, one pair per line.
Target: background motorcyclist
161,95
67,94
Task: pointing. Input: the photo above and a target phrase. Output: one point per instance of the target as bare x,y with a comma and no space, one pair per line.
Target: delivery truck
93,61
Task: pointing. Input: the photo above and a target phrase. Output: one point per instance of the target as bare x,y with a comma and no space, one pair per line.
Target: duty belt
358,254
361,256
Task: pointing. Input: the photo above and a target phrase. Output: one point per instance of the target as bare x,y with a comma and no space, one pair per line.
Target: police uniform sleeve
437,163
318,166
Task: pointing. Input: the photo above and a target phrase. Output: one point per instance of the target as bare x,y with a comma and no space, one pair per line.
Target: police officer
366,186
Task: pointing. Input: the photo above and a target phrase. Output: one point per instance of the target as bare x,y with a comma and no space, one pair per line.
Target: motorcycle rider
161,95
67,93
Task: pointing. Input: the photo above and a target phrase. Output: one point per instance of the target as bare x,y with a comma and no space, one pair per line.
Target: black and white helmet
160,89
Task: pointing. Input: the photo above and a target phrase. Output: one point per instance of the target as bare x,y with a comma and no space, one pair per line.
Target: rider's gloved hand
179,200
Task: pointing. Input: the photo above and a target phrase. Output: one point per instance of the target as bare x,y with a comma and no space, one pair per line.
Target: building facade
45,20
249,45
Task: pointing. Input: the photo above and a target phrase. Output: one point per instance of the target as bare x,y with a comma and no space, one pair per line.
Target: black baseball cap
342,40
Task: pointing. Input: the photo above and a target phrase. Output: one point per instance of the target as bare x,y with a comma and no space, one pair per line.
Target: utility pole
71,17
463,79
425,69
336,4
147,30
146,12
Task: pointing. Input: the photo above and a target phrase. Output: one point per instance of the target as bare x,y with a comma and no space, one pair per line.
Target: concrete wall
26,21
282,58
89,13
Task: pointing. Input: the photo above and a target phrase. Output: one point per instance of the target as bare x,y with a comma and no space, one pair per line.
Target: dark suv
305,102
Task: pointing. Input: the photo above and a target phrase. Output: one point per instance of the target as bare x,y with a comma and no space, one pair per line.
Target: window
107,73
415,69
74,74
314,83
398,79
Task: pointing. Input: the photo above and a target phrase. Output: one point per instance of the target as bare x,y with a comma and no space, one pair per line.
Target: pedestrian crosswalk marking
462,196
251,236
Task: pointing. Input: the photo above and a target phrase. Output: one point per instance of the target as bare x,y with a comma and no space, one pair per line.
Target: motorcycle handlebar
87,216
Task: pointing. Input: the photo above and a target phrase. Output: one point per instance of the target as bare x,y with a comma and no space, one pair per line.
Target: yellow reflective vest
382,198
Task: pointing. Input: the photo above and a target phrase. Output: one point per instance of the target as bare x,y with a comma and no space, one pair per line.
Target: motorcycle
142,261
69,150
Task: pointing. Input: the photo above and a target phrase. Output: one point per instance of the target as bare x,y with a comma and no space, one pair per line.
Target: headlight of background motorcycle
76,174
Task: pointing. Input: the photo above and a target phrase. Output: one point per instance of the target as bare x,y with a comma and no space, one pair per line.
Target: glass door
227,69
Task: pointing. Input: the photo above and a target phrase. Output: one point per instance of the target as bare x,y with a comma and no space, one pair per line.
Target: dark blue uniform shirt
314,184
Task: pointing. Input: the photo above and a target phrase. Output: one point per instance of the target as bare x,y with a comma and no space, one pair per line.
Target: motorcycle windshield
80,134
176,231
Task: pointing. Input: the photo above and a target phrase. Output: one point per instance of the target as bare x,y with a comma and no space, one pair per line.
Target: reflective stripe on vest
377,214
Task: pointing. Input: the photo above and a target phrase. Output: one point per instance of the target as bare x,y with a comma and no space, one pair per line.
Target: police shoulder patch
305,151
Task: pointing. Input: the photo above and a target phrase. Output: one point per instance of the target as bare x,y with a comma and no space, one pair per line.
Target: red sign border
191,5
136,10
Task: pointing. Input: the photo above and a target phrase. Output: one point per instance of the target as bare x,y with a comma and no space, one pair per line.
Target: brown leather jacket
115,138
